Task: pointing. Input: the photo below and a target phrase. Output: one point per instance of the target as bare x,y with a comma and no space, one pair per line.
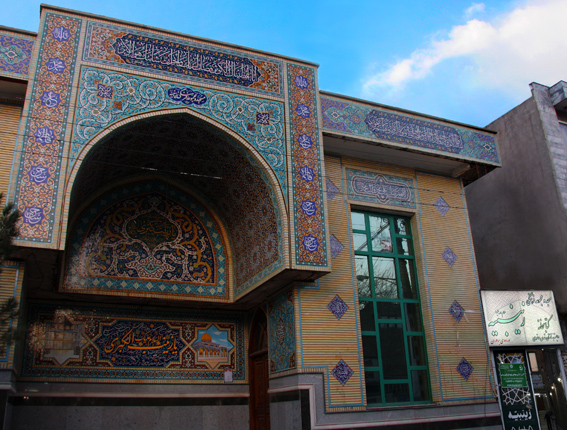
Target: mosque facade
208,240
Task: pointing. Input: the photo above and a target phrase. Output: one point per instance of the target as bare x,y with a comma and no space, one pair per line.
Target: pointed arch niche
171,205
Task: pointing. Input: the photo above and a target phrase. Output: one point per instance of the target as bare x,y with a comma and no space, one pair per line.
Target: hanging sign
521,318
513,375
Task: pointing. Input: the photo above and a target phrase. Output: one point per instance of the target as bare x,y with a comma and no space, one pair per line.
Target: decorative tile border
281,331
106,97
42,148
110,344
310,236
182,58
15,54
396,128
379,188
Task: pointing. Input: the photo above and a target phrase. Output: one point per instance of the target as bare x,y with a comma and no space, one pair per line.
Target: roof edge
406,111
176,33
18,30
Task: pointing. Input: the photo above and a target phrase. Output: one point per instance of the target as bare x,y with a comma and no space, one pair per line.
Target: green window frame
393,338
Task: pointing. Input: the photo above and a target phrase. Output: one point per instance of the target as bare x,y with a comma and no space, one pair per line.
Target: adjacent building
519,222
208,240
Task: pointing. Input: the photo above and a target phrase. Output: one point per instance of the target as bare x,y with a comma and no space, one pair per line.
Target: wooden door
259,377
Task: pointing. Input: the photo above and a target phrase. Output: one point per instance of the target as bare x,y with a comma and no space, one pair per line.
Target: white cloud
527,44
474,9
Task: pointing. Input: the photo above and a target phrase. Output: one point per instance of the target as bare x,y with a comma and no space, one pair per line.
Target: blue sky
465,61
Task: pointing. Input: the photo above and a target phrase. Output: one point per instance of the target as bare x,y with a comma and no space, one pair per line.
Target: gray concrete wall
554,137
309,411
76,406
518,220
130,417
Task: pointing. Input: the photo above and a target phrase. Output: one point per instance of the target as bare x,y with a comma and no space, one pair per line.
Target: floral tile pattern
457,311
45,127
449,256
332,190
442,206
338,307
342,372
336,246
281,331
465,369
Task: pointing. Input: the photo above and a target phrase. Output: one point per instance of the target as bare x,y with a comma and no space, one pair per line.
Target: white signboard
521,318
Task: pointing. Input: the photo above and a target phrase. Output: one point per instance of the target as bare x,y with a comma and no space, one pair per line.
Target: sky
465,61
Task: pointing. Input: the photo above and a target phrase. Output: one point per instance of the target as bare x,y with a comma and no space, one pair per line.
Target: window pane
420,385
362,276
388,310
370,349
367,316
385,285
396,393
407,279
393,341
417,350
393,351
380,233
360,242
403,246
357,221
373,390
413,318
402,226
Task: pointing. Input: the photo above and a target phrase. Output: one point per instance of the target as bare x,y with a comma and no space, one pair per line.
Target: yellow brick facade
325,340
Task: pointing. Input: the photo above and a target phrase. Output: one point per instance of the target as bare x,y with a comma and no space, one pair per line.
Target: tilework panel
124,47
310,236
281,333
457,311
138,240
342,372
332,190
465,369
442,206
15,54
449,256
106,97
336,246
338,307
379,188
373,122
187,151
40,162
110,344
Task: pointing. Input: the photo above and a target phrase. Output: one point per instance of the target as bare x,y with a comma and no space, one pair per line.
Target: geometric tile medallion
449,257
337,306
336,246
457,311
465,369
442,206
342,372
332,190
